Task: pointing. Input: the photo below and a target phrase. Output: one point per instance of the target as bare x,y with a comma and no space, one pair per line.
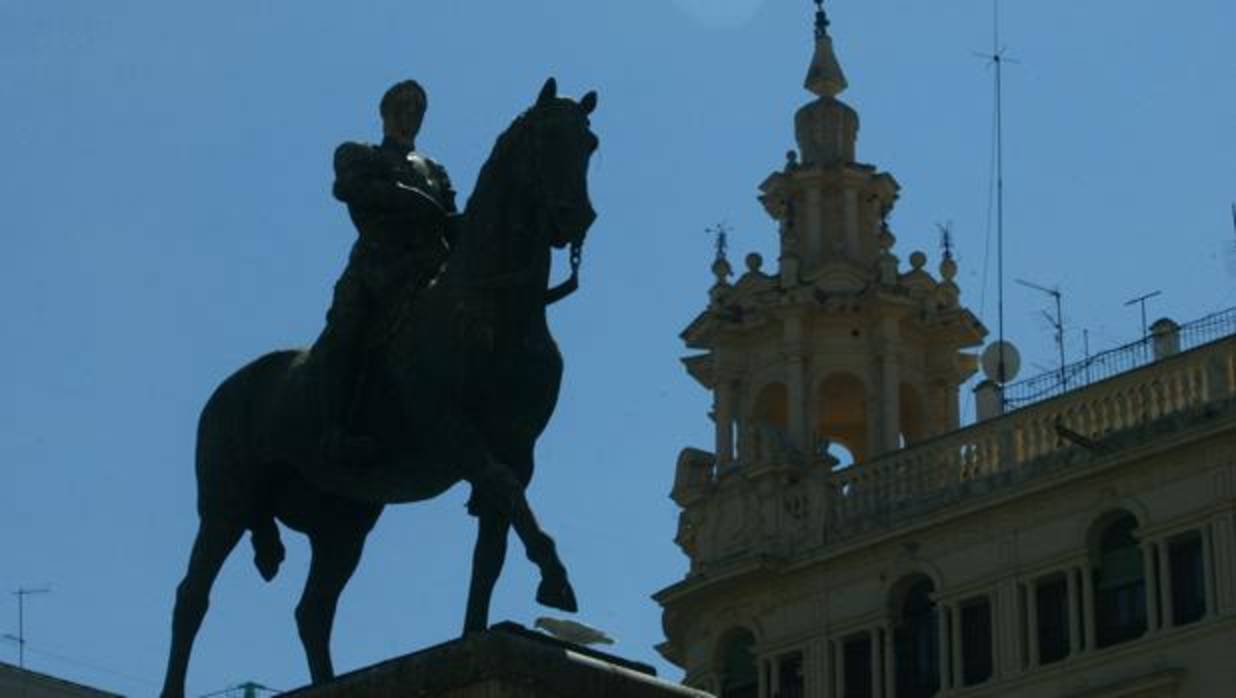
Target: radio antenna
20,639
1141,300
997,58
1056,322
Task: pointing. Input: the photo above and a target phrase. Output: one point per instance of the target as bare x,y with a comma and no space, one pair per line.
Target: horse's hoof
557,595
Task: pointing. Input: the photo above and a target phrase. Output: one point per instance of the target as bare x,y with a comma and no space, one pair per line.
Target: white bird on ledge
571,631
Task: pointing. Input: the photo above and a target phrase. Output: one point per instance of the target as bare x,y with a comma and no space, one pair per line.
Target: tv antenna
1057,322
20,638
1141,300
997,58
248,689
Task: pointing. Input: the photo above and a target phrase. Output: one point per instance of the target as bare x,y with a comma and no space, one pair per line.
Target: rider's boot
340,445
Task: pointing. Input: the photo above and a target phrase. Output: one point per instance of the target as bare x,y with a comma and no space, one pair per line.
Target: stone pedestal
507,661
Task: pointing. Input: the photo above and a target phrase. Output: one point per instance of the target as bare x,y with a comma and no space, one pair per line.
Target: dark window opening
916,644
976,657
1052,600
1119,585
739,678
857,657
789,676
1188,580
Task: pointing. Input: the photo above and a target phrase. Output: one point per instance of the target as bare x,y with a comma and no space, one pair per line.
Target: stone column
890,671
795,384
815,225
1032,622
816,675
839,666
942,644
890,386
957,650
761,666
1165,586
1208,570
723,415
1224,535
877,669
851,224
1074,613
1007,657
1152,588
1088,608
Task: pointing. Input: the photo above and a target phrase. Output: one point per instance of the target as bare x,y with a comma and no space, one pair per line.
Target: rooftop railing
933,471
1109,363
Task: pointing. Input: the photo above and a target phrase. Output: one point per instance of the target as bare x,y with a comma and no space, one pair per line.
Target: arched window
739,678
1119,583
916,642
840,413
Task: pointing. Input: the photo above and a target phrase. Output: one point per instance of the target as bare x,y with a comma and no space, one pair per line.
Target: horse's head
561,146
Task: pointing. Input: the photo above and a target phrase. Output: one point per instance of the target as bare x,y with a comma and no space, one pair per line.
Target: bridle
576,251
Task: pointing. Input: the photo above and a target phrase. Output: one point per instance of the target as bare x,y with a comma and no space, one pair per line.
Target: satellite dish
991,361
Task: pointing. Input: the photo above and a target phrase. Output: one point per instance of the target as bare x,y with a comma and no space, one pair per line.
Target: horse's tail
233,474
268,550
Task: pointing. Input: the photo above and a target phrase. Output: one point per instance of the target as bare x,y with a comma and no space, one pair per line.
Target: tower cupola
826,128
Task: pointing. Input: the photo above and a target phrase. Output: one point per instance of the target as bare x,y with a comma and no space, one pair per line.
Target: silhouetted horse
459,387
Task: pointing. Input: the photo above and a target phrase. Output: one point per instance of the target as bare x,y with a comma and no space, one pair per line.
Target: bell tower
839,343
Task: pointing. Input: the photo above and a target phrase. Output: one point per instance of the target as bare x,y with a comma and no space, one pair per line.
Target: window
738,674
789,676
1119,584
856,654
916,643
1052,600
976,659
1188,580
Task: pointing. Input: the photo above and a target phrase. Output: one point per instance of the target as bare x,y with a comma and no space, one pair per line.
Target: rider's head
403,108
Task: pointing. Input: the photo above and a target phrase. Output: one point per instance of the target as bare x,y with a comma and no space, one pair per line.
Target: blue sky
168,216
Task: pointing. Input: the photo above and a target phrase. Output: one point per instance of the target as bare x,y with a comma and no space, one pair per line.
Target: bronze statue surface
459,376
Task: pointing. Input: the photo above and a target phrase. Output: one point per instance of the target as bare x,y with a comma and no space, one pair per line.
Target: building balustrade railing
1174,384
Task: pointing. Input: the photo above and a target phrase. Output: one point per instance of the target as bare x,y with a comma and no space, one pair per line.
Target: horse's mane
492,175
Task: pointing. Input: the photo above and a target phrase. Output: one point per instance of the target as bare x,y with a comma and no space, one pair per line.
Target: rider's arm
362,179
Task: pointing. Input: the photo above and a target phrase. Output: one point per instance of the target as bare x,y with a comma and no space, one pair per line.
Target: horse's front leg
487,560
497,484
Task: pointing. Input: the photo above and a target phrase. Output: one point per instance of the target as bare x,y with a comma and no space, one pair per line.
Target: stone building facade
23,683
1082,545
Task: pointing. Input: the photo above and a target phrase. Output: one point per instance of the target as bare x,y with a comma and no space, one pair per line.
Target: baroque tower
839,344
1083,543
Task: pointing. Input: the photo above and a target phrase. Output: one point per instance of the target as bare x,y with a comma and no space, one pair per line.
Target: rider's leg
341,349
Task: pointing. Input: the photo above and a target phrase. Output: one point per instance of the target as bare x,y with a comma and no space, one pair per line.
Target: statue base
506,661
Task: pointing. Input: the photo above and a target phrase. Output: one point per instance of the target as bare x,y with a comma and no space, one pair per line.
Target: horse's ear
589,102
548,92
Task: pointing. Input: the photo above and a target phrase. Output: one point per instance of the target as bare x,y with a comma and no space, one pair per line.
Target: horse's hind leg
487,560
335,556
211,547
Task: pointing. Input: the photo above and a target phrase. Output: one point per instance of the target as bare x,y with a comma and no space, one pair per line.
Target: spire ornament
824,77
821,21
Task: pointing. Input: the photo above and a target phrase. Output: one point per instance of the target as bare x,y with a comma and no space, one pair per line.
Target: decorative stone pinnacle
824,77
721,230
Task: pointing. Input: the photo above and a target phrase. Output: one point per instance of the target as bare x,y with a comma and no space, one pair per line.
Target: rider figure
403,207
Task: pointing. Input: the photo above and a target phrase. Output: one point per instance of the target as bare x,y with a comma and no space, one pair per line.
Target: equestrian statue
436,366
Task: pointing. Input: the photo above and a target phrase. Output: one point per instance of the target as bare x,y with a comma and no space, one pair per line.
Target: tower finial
821,20
824,76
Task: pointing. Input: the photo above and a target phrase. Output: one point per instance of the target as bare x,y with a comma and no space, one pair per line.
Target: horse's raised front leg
335,556
214,542
498,484
487,559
